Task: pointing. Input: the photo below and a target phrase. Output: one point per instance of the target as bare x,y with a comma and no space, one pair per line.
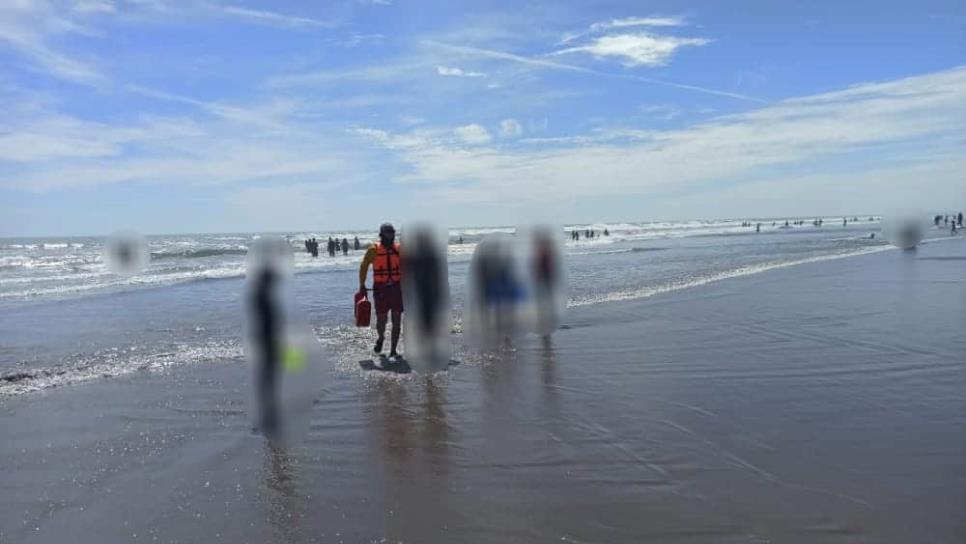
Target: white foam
114,362
736,273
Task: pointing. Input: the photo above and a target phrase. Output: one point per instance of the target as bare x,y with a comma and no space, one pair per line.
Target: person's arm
367,260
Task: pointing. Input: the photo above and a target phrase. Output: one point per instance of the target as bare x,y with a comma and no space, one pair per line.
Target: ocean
64,318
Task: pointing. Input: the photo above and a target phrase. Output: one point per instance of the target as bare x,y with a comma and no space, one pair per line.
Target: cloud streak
554,65
27,28
638,21
271,17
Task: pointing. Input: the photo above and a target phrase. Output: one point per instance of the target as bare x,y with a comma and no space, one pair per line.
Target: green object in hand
293,359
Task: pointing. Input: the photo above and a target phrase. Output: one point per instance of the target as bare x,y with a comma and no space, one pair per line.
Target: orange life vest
385,269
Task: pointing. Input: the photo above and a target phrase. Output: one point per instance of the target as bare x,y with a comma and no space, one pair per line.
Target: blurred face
387,236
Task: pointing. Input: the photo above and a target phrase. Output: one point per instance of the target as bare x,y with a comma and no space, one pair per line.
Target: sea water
64,318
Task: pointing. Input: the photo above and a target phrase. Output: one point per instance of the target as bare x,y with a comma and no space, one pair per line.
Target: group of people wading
334,246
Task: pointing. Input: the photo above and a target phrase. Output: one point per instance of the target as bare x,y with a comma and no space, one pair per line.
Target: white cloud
661,111
26,27
537,63
93,6
43,150
473,134
909,123
511,128
372,73
627,22
641,49
271,17
267,116
457,72
638,21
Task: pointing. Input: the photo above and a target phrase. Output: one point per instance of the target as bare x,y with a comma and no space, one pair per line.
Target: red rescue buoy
363,309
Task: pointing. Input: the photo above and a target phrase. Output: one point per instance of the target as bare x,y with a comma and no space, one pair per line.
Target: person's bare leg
396,325
381,331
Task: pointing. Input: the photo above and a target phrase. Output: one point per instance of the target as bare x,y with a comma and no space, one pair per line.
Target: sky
206,116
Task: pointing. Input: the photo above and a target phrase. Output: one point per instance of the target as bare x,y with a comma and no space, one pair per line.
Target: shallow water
64,319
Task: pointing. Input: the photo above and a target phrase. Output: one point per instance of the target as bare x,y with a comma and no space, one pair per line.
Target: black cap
386,228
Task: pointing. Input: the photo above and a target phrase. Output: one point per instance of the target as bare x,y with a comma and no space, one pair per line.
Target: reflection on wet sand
413,446
285,508
548,378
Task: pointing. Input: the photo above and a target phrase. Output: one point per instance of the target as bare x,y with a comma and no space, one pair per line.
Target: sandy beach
822,402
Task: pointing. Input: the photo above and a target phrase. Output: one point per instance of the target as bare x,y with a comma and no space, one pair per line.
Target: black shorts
387,298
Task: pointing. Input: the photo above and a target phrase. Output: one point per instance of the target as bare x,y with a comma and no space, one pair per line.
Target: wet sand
819,403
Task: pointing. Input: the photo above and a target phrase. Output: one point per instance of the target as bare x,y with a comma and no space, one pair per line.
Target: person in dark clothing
345,246
331,247
423,276
264,310
960,219
356,246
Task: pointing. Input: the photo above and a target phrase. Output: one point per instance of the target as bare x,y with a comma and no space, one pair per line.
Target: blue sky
197,115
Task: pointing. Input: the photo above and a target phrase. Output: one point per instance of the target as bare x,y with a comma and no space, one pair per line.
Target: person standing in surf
385,259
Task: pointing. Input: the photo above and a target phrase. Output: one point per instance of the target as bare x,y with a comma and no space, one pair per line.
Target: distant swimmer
960,219
345,246
385,258
357,246
758,227
845,222
461,239
872,236
607,233
331,247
